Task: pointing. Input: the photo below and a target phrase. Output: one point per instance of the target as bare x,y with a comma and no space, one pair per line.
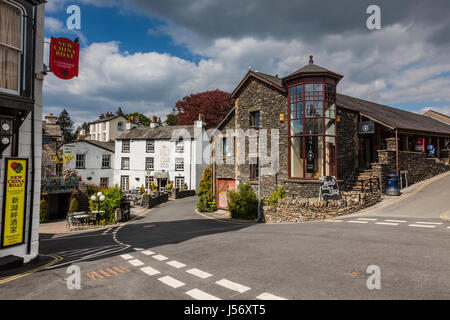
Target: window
254,169
79,161
180,146
120,126
148,182
125,146
10,47
224,146
104,126
254,119
125,163
179,164
104,182
106,161
150,146
125,183
149,163
104,136
179,182
312,130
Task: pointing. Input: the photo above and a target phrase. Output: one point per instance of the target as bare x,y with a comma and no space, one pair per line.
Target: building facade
159,155
107,127
94,161
21,78
320,133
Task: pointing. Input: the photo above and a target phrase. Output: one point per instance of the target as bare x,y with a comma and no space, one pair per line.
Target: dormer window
120,126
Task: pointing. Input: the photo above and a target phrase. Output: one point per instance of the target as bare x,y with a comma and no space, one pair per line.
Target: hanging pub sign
15,198
64,56
310,154
329,188
365,127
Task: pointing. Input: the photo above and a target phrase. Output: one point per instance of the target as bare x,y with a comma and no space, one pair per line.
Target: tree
66,125
205,195
143,119
214,105
171,119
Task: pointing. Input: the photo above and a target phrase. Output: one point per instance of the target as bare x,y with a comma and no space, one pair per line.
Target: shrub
243,204
74,205
94,189
113,198
201,206
205,195
280,193
43,212
212,206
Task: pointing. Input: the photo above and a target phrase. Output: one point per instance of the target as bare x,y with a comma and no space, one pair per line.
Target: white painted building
150,154
21,80
94,161
108,126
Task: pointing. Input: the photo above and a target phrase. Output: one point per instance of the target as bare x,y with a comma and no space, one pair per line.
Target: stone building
51,147
21,80
321,133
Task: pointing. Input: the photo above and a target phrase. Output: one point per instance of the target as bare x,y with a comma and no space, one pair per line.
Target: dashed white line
176,264
127,256
367,219
201,295
387,223
268,296
421,225
138,249
333,220
160,257
150,271
356,221
199,273
437,223
148,252
174,283
232,285
136,262
399,221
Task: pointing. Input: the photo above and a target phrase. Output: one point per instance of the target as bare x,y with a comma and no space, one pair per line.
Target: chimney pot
311,61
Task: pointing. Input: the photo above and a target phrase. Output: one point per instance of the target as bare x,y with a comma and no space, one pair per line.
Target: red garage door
223,185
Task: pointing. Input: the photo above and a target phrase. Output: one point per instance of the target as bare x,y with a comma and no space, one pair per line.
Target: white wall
93,162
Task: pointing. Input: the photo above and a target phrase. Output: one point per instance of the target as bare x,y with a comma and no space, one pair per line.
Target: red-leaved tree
214,105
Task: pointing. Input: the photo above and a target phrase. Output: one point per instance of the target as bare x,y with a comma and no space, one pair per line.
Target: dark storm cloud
303,19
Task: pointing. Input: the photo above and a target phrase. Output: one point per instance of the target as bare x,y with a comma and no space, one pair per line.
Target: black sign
310,153
329,188
365,127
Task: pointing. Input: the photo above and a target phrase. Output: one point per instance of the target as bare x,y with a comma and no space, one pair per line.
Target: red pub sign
64,54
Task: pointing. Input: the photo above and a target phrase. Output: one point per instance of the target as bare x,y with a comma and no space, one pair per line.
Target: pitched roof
109,146
270,80
392,117
108,118
312,68
438,116
160,132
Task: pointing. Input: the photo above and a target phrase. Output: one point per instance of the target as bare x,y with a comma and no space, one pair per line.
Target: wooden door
223,185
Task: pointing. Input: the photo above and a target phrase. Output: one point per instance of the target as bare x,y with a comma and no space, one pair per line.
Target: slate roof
312,68
109,146
392,117
107,118
160,132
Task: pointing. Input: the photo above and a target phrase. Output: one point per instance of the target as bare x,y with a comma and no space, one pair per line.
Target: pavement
171,252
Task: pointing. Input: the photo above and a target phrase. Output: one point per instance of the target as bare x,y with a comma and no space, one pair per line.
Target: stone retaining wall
305,209
178,194
149,201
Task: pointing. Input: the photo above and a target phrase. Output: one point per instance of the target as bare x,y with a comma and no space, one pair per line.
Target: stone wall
178,194
150,201
347,139
292,209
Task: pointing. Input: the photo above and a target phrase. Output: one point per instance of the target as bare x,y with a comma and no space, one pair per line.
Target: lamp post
100,197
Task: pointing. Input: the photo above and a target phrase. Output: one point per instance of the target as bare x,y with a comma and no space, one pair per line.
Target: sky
145,55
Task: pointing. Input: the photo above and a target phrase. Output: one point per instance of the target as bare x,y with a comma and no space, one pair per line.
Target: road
171,252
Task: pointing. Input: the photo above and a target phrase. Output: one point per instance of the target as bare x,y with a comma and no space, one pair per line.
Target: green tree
172,119
66,125
205,195
142,118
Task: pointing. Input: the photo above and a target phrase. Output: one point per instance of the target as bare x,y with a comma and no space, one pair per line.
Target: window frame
21,60
179,162
149,163
128,143
179,146
103,161
107,182
121,163
177,179
150,146
77,161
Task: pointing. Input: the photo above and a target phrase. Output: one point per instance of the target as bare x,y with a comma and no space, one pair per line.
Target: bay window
312,130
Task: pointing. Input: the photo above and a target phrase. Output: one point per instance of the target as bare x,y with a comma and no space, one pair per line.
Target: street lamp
98,199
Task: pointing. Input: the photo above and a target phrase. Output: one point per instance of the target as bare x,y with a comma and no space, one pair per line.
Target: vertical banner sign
310,154
14,201
64,57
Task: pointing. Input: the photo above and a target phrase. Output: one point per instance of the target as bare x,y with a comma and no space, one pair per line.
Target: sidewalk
61,227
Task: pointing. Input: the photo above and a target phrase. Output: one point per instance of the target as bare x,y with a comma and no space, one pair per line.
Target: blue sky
145,55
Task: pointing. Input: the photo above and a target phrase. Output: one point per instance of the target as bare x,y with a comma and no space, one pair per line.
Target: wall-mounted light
6,133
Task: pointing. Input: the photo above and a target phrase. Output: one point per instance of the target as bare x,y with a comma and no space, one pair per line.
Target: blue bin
392,185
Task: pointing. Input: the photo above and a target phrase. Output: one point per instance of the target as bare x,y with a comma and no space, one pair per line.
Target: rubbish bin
392,185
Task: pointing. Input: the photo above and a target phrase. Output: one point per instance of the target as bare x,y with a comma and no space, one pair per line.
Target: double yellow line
55,257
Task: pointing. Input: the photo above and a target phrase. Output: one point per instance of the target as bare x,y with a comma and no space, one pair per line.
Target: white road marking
148,252
127,256
160,257
356,221
421,225
268,296
387,223
150,271
136,262
437,223
138,249
333,220
200,295
176,264
232,285
199,273
399,221
174,283
367,219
